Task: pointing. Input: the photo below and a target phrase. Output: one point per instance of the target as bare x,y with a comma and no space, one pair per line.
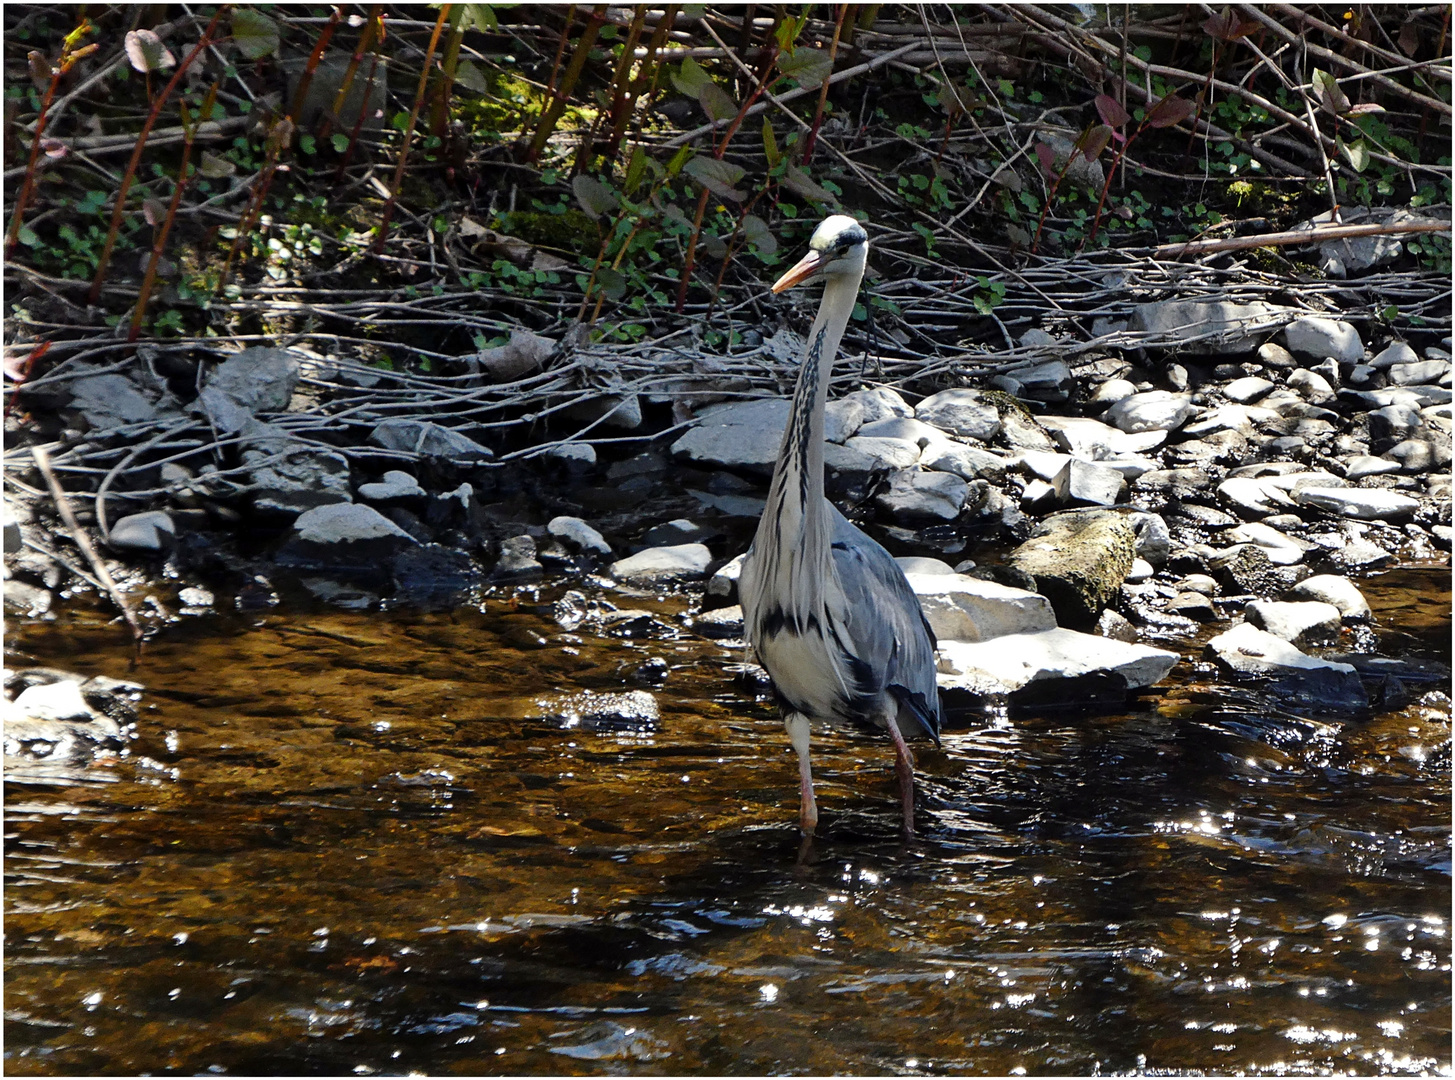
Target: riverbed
385,842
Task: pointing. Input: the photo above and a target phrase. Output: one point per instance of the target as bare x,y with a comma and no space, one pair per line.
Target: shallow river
354,843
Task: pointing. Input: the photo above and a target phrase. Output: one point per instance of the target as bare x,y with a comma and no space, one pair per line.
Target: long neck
798,477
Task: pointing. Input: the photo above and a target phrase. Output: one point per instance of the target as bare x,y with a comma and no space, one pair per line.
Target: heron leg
798,733
904,766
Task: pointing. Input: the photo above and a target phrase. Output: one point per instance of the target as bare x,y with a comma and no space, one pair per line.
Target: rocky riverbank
1066,517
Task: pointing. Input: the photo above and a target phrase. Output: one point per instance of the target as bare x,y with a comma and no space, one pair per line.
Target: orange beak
802,270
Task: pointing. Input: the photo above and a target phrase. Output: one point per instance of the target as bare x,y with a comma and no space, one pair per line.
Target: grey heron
827,610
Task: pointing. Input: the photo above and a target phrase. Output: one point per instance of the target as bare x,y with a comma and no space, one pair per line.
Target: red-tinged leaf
1110,110
1170,111
810,67
717,176
146,51
1329,93
1364,108
1220,25
716,103
154,210
1047,157
1094,141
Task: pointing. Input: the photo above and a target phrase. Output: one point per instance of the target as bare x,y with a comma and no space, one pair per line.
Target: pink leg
904,766
798,733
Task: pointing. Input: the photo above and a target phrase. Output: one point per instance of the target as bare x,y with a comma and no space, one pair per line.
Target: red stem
434,40
141,141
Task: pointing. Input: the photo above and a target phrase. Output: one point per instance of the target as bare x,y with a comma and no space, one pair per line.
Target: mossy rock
1003,402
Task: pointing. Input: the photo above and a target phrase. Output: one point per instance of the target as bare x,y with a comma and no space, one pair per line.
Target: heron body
827,610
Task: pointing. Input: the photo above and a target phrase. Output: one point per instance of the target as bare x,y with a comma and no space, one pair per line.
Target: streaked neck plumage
797,492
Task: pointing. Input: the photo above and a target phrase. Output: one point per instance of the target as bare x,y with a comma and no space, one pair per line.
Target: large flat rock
1012,663
739,435
967,609
1247,650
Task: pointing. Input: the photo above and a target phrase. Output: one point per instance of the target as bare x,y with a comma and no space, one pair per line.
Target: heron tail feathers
913,703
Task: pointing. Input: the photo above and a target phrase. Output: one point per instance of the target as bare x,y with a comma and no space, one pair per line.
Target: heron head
838,246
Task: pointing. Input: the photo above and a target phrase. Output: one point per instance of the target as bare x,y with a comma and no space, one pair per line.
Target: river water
364,842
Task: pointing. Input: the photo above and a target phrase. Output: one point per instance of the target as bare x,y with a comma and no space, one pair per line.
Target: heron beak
802,270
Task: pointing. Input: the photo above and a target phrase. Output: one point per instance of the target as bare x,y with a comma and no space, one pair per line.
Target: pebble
961,411
1317,337
396,484
1300,621
663,564
1247,389
1396,352
152,531
916,496
1153,410
575,532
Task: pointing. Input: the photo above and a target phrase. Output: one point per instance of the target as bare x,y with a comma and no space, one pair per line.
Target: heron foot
904,767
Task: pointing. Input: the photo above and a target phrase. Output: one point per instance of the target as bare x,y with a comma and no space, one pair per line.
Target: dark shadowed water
354,843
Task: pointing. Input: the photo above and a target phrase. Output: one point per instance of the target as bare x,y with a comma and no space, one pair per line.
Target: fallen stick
1296,236
58,493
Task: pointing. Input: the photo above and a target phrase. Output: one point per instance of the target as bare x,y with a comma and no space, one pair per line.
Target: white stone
1316,337
1112,391
1249,651
1086,438
150,531
905,428
1006,664
1396,352
1240,418
661,564
1205,327
1362,465
1141,571
1247,389
1342,593
1311,386
960,411
343,523
914,495
573,530
918,564
1281,550
887,453
1366,504
879,402
963,608
842,419
1152,410
1297,621
1418,373
740,434
52,701
968,462
396,484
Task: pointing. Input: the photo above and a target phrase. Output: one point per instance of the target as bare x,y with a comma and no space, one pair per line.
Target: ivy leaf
1355,153
716,103
689,79
717,176
1110,110
595,197
147,53
799,182
757,233
1170,111
809,67
254,34
470,77
1329,93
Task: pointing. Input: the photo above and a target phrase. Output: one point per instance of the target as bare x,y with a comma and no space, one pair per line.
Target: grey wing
887,628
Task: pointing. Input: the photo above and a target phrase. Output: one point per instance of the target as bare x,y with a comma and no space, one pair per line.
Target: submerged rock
1247,650
629,711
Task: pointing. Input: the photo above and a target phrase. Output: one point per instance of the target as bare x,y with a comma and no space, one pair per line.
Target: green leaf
215,167
1355,153
470,77
716,103
254,34
400,121
799,182
595,197
809,67
770,144
27,236
340,142
480,16
757,233
679,159
308,144
689,79
636,168
612,283
717,176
